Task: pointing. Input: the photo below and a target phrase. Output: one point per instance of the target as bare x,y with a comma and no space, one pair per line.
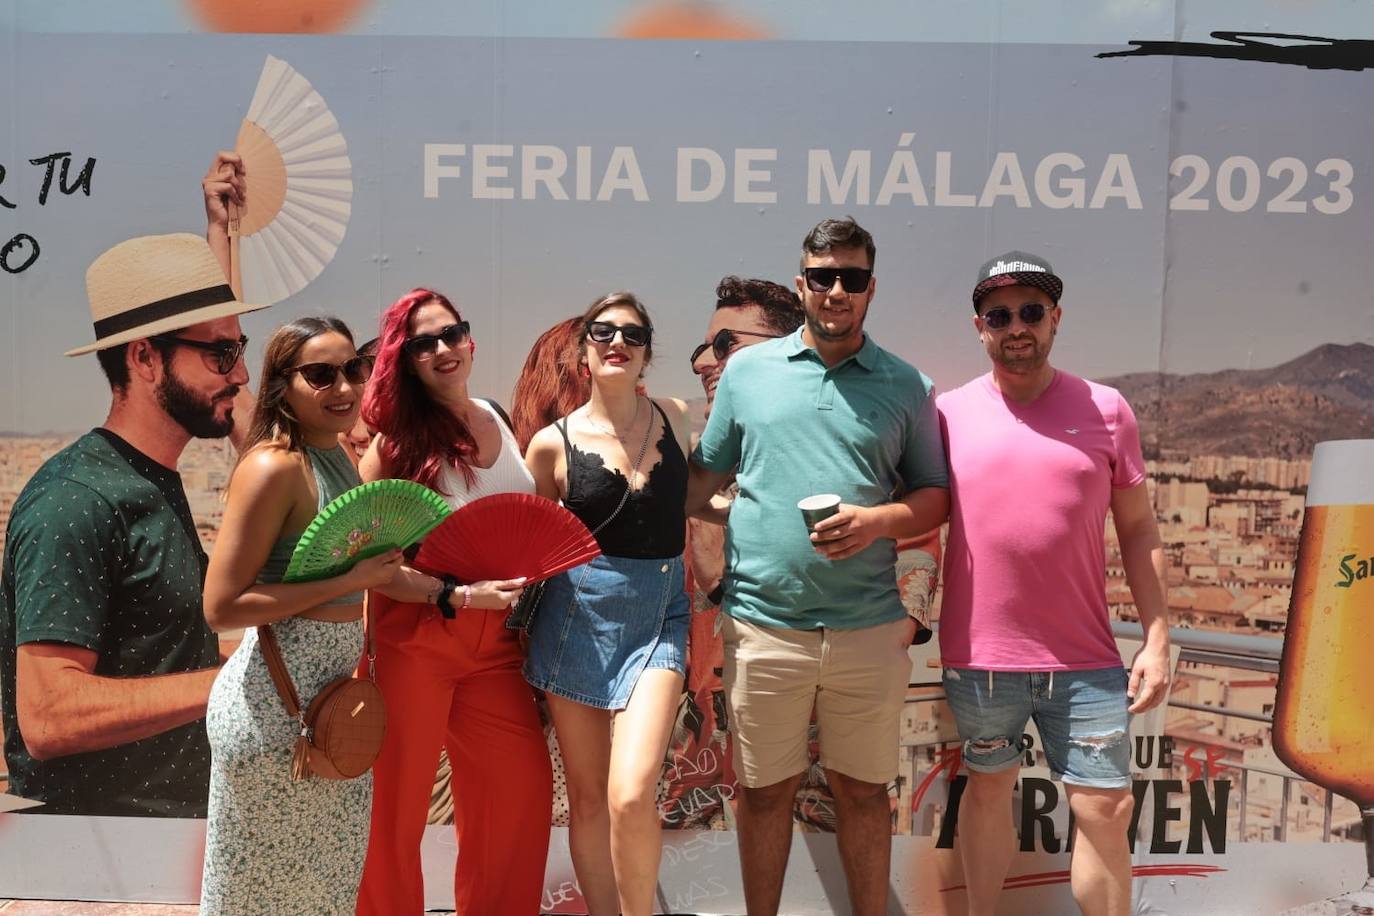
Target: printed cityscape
1230,524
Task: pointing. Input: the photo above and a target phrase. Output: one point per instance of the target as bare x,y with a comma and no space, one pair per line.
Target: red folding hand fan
507,536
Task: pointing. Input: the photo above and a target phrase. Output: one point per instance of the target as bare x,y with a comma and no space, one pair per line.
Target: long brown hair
552,384
272,418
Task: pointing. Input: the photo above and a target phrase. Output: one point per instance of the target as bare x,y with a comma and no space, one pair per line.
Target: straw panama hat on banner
153,285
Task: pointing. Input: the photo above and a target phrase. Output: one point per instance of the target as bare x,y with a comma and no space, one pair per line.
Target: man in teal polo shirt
816,621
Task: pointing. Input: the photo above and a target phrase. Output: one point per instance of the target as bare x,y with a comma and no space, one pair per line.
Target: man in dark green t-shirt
106,661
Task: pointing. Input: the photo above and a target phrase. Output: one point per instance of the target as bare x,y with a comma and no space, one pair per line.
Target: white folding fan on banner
299,187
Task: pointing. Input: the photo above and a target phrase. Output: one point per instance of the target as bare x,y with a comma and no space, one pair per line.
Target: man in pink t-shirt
1037,457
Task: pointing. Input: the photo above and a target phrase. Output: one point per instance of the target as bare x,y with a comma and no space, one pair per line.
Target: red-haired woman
447,665
552,383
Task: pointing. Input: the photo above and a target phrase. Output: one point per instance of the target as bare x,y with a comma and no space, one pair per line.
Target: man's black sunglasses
724,342
226,353
603,332
423,346
822,279
321,376
1000,317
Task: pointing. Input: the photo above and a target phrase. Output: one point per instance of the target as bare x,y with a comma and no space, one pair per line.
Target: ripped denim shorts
1082,718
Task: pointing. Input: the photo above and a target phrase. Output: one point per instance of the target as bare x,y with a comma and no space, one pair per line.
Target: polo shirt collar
866,357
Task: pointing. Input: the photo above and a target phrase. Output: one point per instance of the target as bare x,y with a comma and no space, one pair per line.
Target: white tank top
507,474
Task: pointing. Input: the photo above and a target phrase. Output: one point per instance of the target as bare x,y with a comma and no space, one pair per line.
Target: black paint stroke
1319,54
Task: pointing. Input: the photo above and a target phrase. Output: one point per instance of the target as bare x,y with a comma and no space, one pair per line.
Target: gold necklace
610,430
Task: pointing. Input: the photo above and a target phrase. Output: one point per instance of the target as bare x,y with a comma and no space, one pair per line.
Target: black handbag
523,611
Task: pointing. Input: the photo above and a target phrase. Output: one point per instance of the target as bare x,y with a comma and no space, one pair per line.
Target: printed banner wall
1202,188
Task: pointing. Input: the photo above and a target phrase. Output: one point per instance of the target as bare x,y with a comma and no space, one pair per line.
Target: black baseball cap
1017,268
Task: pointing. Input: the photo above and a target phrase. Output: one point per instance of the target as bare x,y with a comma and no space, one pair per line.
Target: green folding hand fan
367,520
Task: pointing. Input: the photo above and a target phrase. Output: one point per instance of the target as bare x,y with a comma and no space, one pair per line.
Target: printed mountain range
1280,412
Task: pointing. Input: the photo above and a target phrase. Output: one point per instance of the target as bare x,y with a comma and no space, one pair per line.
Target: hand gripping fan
507,536
299,187
367,520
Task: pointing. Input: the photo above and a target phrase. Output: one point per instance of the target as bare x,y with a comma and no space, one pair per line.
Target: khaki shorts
855,680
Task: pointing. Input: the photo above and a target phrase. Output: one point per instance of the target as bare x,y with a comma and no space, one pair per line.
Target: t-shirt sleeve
923,455
719,447
1129,468
65,566
942,403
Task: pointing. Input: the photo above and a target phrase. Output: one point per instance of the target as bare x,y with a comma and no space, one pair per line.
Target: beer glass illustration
1324,717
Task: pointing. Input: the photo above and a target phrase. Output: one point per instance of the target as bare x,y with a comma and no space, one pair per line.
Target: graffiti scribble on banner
1314,52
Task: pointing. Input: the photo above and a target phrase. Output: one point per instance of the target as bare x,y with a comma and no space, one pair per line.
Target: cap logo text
1007,267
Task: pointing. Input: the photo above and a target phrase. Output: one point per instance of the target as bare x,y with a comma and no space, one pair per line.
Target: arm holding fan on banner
290,149
222,186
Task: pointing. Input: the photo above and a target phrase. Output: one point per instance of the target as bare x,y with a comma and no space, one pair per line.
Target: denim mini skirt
602,623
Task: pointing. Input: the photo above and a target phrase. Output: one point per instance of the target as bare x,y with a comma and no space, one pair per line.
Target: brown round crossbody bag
343,727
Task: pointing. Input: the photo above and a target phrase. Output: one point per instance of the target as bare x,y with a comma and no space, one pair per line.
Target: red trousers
456,684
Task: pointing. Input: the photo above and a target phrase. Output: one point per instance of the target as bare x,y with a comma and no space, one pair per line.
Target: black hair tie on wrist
442,601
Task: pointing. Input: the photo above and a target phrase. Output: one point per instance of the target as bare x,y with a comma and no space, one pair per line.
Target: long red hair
552,384
420,436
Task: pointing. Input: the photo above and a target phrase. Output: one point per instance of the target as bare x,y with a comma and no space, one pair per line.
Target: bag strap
276,667
500,412
281,676
369,637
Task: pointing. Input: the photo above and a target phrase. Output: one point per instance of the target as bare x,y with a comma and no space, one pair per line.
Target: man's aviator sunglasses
424,346
223,356
321,376
603,332
724,342
999,318
822,279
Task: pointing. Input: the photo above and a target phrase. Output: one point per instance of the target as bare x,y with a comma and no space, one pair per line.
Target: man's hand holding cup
838,530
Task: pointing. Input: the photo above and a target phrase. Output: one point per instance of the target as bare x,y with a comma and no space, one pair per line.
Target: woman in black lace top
609,643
